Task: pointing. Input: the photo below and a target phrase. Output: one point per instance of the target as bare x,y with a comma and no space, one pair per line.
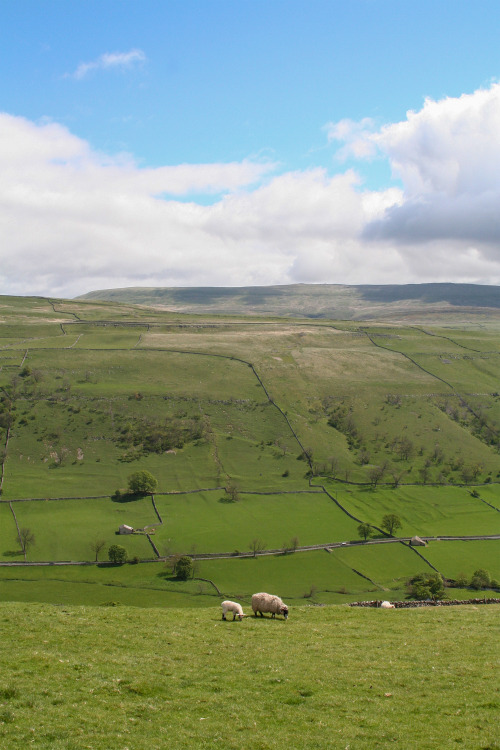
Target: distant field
91,391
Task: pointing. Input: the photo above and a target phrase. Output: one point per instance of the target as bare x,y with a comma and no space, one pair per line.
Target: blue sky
233,142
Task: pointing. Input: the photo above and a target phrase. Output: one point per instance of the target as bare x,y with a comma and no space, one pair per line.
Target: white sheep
268,603
387,605
233,607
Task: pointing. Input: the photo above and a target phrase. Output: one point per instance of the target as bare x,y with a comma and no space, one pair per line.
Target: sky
248,142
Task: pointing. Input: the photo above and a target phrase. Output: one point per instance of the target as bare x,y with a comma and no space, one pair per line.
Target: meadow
317,425
331,677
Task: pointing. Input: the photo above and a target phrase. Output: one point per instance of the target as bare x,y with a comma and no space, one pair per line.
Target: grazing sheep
268,603
387,605
233,607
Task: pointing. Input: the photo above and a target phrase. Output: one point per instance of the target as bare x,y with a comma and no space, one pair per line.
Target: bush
480,579
426,586
184,568
117,554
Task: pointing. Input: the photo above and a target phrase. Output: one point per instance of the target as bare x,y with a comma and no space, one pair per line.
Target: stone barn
417,542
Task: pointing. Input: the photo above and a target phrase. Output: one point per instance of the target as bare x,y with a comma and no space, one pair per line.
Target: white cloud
109,60
357,138
73,220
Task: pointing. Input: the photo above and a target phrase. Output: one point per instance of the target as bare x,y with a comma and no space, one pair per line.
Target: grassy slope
115,678
111,374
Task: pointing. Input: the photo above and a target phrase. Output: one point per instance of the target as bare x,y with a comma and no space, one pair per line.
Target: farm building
417,542
124,529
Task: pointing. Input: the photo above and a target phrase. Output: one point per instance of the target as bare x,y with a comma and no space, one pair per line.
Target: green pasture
300,577
88,337
454,558
486,341
141,585
204,521
254,466
65,529
107,372
57,590
207,522
389,565
8,534
112,678
91,386
464,372
424,511
26,335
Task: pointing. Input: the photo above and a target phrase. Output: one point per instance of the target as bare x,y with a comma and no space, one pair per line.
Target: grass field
328,677
91,391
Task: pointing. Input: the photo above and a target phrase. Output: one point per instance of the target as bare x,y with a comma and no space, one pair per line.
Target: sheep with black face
263,602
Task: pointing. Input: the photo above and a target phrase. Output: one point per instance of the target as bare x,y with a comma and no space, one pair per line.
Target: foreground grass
332,677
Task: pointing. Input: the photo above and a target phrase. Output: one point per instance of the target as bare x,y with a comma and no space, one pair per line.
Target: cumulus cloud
109,60
73,220
448,158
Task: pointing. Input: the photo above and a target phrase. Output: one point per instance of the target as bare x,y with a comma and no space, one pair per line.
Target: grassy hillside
113,678
333,301
318,425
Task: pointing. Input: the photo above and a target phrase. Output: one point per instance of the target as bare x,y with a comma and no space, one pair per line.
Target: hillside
111,678
333,301
271,442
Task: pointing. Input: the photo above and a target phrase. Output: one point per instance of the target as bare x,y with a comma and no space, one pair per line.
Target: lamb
233,607
387,605
268,603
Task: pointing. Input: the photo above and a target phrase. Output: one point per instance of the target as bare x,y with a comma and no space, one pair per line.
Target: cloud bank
73,220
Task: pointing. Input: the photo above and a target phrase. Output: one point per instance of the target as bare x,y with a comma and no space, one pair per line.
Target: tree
97,547
256,545
375,474
27,539
232,492
364,530
426,586
404,448
390,523
184,567
117,554
364,457
397,476
142,483
290,546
